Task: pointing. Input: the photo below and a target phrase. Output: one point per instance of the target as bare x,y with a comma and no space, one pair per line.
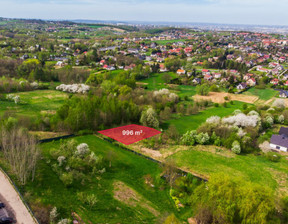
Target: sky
256,12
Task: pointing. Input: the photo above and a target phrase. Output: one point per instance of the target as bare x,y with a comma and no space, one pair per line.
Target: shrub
202,138
236,148
281,119
273,157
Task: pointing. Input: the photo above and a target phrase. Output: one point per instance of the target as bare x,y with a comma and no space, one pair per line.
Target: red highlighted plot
130,133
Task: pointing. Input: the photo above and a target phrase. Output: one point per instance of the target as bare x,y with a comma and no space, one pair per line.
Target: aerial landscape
123,112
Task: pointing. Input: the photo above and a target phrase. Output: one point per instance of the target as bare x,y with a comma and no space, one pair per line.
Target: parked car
2,205
6,220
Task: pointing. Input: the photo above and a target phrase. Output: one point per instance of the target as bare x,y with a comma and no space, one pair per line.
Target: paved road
11,197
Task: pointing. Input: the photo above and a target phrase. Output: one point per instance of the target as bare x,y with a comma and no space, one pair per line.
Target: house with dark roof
280,142
283,94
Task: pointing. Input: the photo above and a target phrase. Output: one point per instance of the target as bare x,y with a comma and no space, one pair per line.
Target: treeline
35,70
95,113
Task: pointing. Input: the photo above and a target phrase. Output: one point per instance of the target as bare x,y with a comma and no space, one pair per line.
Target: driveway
14,202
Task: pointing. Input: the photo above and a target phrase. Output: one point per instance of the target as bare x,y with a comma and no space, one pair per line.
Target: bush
236,148
273,156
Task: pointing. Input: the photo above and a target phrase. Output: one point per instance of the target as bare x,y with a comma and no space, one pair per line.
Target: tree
21,151
236,148
166,78
171,219
149,118
225,199
170,171
202,90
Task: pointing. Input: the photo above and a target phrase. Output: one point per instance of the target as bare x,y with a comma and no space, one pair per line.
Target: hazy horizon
242,12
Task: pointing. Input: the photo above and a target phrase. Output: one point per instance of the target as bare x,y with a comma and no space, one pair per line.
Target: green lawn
32,103
257,169
263,94
156,82
186,91
192,122
126,167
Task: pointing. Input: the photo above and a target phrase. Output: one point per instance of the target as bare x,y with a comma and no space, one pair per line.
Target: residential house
280,142
197,81
251,82
242,86
274,81
180,72
283,94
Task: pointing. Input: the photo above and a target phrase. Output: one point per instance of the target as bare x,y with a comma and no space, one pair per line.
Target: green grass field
192,122
186,91
263,94
126,167
156,82
32,103
257,169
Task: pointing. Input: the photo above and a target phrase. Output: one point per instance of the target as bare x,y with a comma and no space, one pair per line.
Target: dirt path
11,197
218,97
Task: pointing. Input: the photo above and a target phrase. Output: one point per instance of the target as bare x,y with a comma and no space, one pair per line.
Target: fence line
152,159
55,138
20,195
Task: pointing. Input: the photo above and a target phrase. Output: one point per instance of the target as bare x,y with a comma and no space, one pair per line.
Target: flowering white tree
53,215
82,149
213,120
253,112
242,120
165,92
236,148
269,120
16,99
149,118
12,97
34,85
241,133
281,119
61,160
74,88
279,103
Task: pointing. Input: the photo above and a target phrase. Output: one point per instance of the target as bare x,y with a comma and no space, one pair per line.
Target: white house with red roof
274,81
251,82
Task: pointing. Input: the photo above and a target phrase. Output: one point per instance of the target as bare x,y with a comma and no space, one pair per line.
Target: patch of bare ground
130,197
148,152
218,97
282,180
269,101
47,134
48,111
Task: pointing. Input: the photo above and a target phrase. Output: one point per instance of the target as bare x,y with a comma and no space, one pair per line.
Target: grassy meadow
141,203
257,169
263,94
33,103
191,122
